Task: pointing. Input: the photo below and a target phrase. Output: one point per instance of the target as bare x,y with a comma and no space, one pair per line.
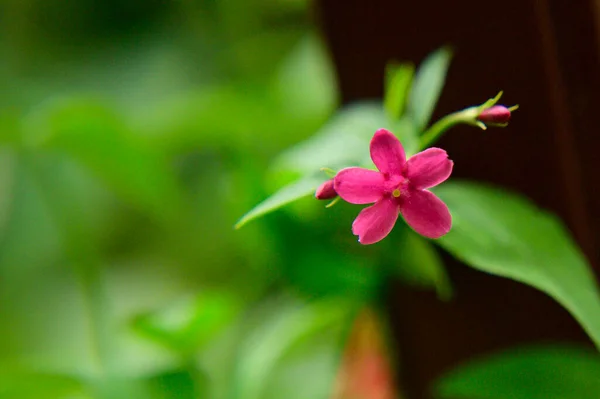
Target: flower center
394,186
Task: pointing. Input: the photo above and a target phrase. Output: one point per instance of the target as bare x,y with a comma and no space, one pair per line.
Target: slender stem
437,129
467,116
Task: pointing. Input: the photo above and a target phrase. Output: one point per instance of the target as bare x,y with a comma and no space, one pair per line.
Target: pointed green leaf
428,85
506,235
286,195
546,372
399,78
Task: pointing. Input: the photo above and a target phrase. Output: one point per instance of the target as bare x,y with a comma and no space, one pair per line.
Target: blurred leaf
284,196
9,126
93,135
399,79
294,100
305,82
8,182
408,135
23,384
327,272
203,117
177,384
81,206
545,372
255,56
417,263
30,221
237,115
427,86
245,25
118,386
296,343
343,141
504,234
190,324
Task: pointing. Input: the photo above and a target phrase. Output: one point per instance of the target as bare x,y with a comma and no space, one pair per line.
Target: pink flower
399,187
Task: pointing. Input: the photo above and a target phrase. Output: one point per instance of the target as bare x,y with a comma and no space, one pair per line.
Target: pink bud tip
497,115
326,191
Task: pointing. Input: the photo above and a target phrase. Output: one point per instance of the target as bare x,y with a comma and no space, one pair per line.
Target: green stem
467,116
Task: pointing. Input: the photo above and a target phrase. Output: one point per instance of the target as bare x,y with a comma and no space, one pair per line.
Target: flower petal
428,168
387,152
375,222
425,213
358,185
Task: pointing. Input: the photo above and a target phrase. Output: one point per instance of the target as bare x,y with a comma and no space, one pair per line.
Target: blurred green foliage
134,134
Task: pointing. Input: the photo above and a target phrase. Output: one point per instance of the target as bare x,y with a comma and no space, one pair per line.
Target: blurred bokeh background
134,134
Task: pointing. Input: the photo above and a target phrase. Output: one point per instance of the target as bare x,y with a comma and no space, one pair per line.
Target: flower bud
498,115
326,191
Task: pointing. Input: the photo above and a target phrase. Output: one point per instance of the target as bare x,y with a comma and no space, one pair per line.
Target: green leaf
191,323
504,234
545,372
418,264
428,85
284,196
399,78
305,82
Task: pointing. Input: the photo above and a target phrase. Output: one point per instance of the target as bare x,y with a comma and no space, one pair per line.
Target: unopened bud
498,115
326,191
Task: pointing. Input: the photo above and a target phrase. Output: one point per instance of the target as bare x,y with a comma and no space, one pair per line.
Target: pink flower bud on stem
482,116
497,115
326,191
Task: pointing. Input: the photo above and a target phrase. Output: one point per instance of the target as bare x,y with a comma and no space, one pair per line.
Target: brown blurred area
545,56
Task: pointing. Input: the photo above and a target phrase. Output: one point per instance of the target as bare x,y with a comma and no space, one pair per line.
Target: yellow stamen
396,193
